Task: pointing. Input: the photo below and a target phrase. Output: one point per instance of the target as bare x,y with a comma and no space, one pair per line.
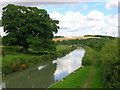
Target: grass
97,80
62,47
11,56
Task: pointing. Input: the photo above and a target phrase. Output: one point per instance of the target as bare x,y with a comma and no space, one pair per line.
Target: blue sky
99,6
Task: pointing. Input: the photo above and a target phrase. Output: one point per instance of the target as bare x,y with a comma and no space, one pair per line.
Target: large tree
28,27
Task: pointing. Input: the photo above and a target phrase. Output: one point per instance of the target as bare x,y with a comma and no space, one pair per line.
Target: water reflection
41,67
33,78
68,64
46,74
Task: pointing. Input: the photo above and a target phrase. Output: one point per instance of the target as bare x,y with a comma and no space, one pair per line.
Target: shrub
12,48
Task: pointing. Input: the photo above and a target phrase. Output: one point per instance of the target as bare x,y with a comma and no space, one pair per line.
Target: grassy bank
15,61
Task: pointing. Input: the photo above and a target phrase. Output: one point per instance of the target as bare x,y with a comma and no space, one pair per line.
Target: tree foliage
28,27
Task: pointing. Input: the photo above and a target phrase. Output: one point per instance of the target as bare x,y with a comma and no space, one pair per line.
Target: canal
47,73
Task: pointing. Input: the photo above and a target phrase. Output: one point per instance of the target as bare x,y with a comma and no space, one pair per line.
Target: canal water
45,74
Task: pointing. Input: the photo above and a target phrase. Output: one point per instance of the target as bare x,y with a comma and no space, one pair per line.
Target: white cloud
96,15
67,18
2,33
76,24
111,4
112,19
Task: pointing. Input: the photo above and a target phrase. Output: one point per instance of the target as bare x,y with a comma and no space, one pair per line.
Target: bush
86,62
12,48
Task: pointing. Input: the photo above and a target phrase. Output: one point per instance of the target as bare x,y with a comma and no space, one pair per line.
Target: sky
77,17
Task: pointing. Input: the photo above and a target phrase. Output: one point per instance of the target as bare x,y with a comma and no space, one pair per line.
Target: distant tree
99,36
58,36
28,27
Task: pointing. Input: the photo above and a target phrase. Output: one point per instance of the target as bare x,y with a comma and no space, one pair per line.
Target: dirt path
86,84
91,74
